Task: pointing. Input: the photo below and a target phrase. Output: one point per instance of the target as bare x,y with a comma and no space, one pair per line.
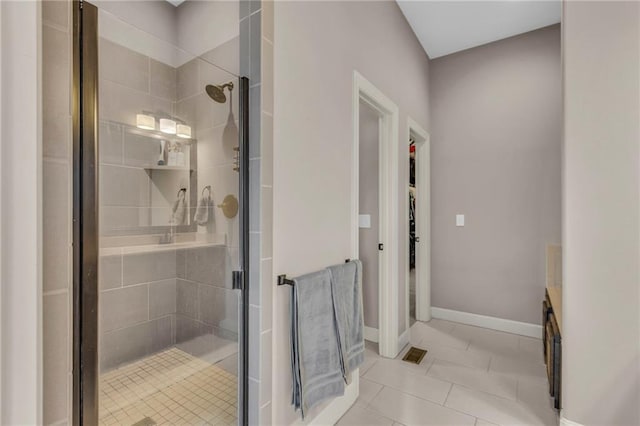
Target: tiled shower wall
56,141
151,301
256,61
129,84
137,306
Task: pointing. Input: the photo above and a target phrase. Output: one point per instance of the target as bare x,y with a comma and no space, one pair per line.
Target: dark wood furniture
552,341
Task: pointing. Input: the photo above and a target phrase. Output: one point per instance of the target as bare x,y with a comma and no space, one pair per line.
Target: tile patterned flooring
171,388
470,376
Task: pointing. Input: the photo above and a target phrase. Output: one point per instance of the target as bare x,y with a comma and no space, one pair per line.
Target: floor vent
414,355
147,421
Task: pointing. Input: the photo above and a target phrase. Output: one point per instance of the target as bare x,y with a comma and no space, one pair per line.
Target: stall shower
170,222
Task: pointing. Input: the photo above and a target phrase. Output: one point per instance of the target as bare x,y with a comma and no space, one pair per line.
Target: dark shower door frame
85,223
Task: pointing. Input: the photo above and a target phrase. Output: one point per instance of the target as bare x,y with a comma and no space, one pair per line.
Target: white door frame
388,167
423,221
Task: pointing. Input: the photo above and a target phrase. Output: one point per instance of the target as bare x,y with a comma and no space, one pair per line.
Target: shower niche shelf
169,168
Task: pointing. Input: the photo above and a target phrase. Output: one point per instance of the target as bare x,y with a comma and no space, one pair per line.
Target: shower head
217,92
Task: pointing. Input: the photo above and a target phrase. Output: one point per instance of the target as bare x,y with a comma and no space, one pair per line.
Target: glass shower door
170,234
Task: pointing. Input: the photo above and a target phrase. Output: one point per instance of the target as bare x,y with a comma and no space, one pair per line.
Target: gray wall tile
266,223
147,267
181,258
123,307
123,66
110,143
163,80
254,268
267,76
162,298
161,334
201,112
254,338
267,19
56,345
110,272
140,150
124,186
254,121
56,12
132,343
225,56
266,290
245,39
187,80
187,298
56,89
189,328
245,8
218,307
124,345
256,37
115,219
254,195
56,225
266,149
254,403
121,104
207,265
255,5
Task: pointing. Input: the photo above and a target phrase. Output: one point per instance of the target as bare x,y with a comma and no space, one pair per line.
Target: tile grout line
447,397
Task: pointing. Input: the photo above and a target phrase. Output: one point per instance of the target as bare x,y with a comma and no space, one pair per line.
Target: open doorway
369,216
374,210
419,225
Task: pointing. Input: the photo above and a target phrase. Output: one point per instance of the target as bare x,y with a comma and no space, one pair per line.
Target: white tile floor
470,376
169,388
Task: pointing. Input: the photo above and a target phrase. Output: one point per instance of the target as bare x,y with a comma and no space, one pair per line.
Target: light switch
364,221
459,220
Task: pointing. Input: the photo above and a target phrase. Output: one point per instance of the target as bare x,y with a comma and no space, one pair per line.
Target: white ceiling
445,27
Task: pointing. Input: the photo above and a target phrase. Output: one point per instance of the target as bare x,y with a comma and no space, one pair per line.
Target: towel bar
283,280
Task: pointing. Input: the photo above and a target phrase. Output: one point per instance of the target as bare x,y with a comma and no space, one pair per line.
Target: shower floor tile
170,388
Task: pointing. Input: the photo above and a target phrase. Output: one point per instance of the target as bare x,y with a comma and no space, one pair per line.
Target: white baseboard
500,324
566,422
335,409
403,340
371,334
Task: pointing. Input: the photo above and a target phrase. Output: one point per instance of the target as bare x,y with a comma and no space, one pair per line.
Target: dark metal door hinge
237,278
380,246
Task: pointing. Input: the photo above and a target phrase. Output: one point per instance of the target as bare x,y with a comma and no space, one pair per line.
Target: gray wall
56,205
319,45
368,204
601,223
495,157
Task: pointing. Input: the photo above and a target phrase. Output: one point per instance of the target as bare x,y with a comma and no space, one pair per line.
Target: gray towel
178,211
346,284
315,359
202,211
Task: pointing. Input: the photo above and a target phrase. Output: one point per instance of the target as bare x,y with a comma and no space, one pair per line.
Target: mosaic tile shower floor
170,388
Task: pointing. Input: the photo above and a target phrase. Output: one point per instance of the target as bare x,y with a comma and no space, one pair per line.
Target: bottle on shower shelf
173,155
163,151
181,157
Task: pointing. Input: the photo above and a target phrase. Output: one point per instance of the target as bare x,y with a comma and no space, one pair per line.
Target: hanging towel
179,208
315,359
346,286
202,211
